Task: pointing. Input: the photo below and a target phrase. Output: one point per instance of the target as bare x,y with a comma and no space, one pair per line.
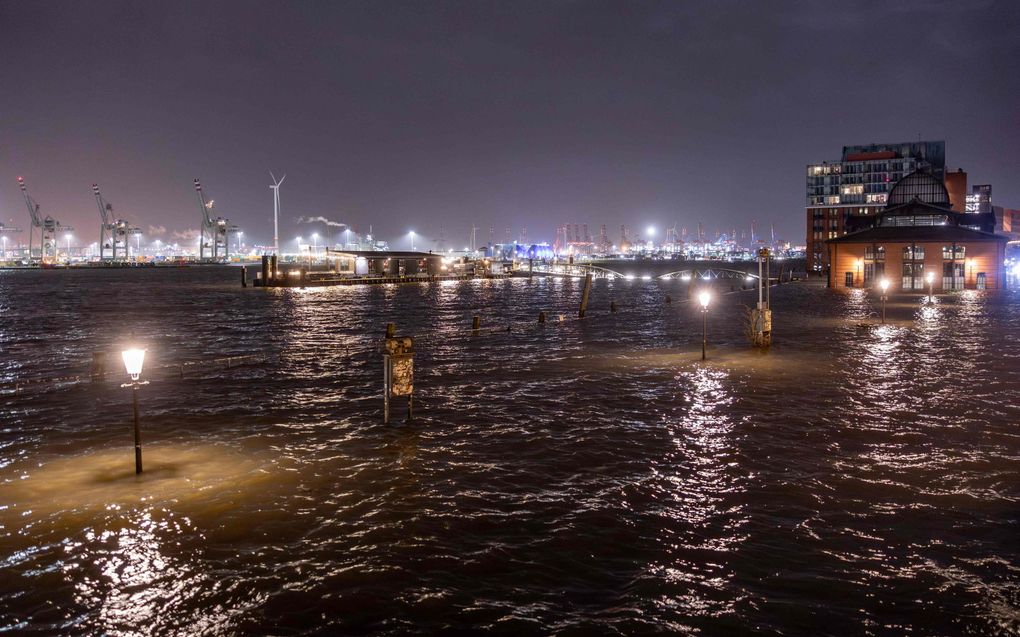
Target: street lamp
704,297
315,242
884,284
931,283
133,359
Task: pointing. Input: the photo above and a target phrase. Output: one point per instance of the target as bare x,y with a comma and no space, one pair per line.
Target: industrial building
918,236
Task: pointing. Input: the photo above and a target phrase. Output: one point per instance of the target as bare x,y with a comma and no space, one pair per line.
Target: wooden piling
584,295
541,317
244,276
476,324
98,366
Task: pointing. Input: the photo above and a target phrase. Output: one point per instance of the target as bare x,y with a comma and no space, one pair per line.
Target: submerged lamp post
931,283
133,359
884,284
704,297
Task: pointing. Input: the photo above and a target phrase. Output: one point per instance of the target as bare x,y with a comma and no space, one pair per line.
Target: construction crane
48,228
214,232
114,234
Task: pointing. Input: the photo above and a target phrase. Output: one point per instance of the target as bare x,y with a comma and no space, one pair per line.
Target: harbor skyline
415,121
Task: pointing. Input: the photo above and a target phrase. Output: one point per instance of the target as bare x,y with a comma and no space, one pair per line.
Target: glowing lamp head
930,276
133,359
884,284
704,297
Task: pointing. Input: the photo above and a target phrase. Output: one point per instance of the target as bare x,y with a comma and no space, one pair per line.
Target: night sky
427,114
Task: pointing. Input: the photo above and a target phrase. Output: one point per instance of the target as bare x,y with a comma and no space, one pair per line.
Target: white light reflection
702,492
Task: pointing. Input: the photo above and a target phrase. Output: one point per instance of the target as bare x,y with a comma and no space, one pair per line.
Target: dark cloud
417,115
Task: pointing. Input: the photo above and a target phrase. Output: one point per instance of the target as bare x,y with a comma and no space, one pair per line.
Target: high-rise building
979,199
858,184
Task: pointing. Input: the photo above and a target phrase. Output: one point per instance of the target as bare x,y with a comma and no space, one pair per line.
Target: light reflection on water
590,476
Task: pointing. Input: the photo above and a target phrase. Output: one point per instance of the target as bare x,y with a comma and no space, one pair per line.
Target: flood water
581,477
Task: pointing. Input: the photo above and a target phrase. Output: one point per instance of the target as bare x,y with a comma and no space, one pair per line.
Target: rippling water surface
581,477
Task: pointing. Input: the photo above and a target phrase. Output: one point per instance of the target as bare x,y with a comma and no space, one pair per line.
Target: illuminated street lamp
133,359
931,283
704,297
884,284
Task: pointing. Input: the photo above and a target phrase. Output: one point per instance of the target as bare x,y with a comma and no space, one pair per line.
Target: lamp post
133,359
884,284
931,284
704,297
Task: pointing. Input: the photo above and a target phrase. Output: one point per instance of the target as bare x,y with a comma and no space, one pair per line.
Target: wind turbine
276,211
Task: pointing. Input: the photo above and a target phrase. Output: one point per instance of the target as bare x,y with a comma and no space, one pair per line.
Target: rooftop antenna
276,211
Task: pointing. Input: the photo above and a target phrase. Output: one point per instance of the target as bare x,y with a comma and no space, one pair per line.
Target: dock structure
341,267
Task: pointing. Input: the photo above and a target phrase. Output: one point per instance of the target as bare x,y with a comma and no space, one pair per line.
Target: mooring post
244,276
98,366
584,295
541,317
476,324
265,268
398,371
275,271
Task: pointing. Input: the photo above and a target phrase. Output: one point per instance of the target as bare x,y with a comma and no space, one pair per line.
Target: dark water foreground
582,478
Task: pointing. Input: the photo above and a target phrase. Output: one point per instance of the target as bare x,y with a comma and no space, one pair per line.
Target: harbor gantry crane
48,228
215,232
114,234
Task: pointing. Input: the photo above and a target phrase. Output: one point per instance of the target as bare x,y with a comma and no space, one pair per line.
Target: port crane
114,234
48,228
215,231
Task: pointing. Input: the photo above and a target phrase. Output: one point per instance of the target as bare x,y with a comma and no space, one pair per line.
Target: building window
947,253
874,253
832,199
913,276
852,189
873,271
952,275
913,253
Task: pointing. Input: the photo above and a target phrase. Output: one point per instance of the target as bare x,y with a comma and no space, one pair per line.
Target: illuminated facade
917,235
858,185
